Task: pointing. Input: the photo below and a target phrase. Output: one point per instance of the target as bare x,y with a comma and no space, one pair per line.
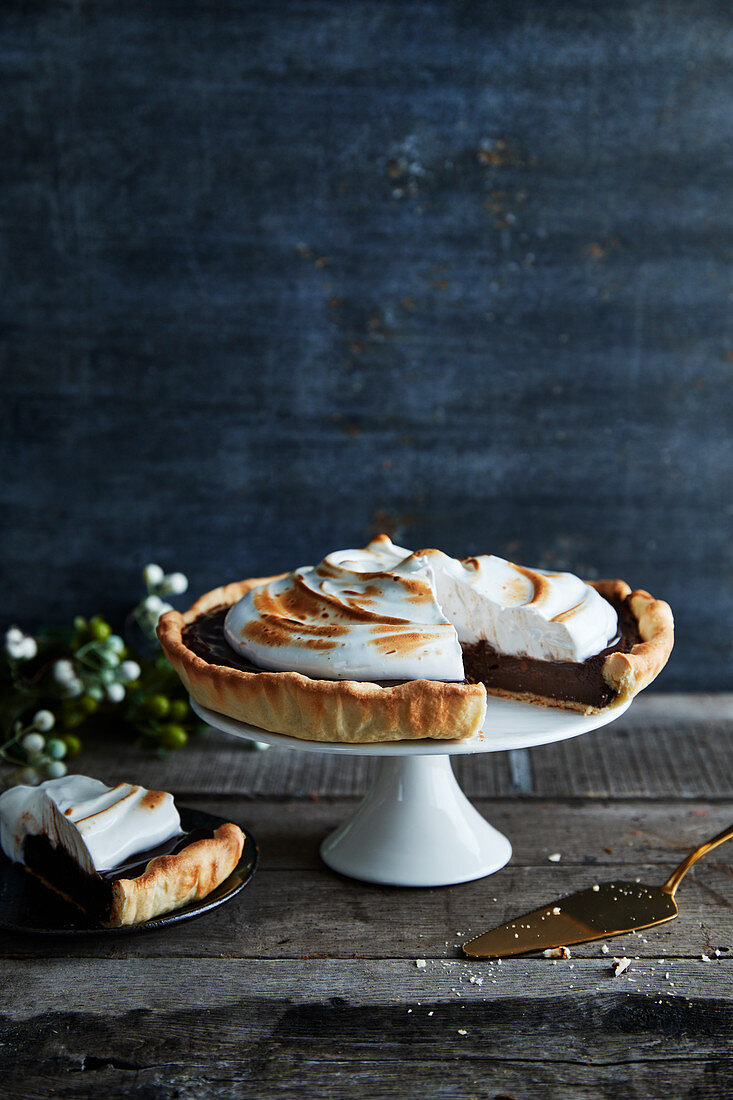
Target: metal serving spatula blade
608,909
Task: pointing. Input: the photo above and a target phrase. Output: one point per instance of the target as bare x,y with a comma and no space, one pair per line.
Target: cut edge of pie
168,882
352,711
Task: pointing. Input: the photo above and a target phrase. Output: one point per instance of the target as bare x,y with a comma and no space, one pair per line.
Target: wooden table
309,983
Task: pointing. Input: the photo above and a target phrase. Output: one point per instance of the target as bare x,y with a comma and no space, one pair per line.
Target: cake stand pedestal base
415,827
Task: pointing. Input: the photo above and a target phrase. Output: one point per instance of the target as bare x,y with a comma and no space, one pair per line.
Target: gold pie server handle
670,886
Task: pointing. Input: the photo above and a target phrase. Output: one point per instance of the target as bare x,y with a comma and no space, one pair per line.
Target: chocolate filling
205,637
93,893
566,681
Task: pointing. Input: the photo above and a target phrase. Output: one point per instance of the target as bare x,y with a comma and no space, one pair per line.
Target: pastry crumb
420,964
604,948
462,1031
596,888
556,953
555,857
619,966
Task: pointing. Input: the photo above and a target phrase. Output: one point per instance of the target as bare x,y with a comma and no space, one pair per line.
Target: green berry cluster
101,667
91,681
168,720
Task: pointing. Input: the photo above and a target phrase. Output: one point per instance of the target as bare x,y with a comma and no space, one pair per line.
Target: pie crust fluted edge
172,881
354,712
628,673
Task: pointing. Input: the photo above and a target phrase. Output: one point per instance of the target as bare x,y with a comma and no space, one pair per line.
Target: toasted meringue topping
359,615
522,612
100,826
384,613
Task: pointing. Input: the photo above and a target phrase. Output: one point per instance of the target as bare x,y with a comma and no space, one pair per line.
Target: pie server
608,909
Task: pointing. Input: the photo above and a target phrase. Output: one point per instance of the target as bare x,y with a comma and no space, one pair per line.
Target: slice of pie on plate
118,853
382,644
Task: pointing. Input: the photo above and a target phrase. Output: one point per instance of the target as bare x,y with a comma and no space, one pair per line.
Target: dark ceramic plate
26,905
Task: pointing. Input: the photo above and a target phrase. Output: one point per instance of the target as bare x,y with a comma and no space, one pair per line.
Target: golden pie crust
628,673
355,712
169,881
172,881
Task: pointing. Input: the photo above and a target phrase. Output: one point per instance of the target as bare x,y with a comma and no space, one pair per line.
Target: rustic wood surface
307,984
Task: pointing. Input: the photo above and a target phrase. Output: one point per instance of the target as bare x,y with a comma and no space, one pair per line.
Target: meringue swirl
385,613
99,826
359,615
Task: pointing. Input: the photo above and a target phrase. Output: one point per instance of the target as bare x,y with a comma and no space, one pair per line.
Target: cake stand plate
415,826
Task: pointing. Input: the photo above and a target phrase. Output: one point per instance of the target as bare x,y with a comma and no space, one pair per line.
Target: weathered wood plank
590,832
292,914
224,1025
342,917
673,759
664,746
32,988
450,1073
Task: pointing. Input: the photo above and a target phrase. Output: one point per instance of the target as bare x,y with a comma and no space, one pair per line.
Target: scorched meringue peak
359,615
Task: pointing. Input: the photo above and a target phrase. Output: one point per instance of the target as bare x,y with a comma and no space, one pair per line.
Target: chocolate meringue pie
118,853
382,644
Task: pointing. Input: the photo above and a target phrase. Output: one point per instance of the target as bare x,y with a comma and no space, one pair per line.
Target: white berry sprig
59,685
152,606
34,755
20,646
98,668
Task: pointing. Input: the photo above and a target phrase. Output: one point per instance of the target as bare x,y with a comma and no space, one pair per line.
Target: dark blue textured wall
278,276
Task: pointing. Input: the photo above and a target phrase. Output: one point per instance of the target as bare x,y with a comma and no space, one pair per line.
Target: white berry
63,672
129,670
56,749
29,649
33,743
55,769
153,575
175,583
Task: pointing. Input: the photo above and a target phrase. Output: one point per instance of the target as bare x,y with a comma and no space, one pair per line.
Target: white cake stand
415,826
